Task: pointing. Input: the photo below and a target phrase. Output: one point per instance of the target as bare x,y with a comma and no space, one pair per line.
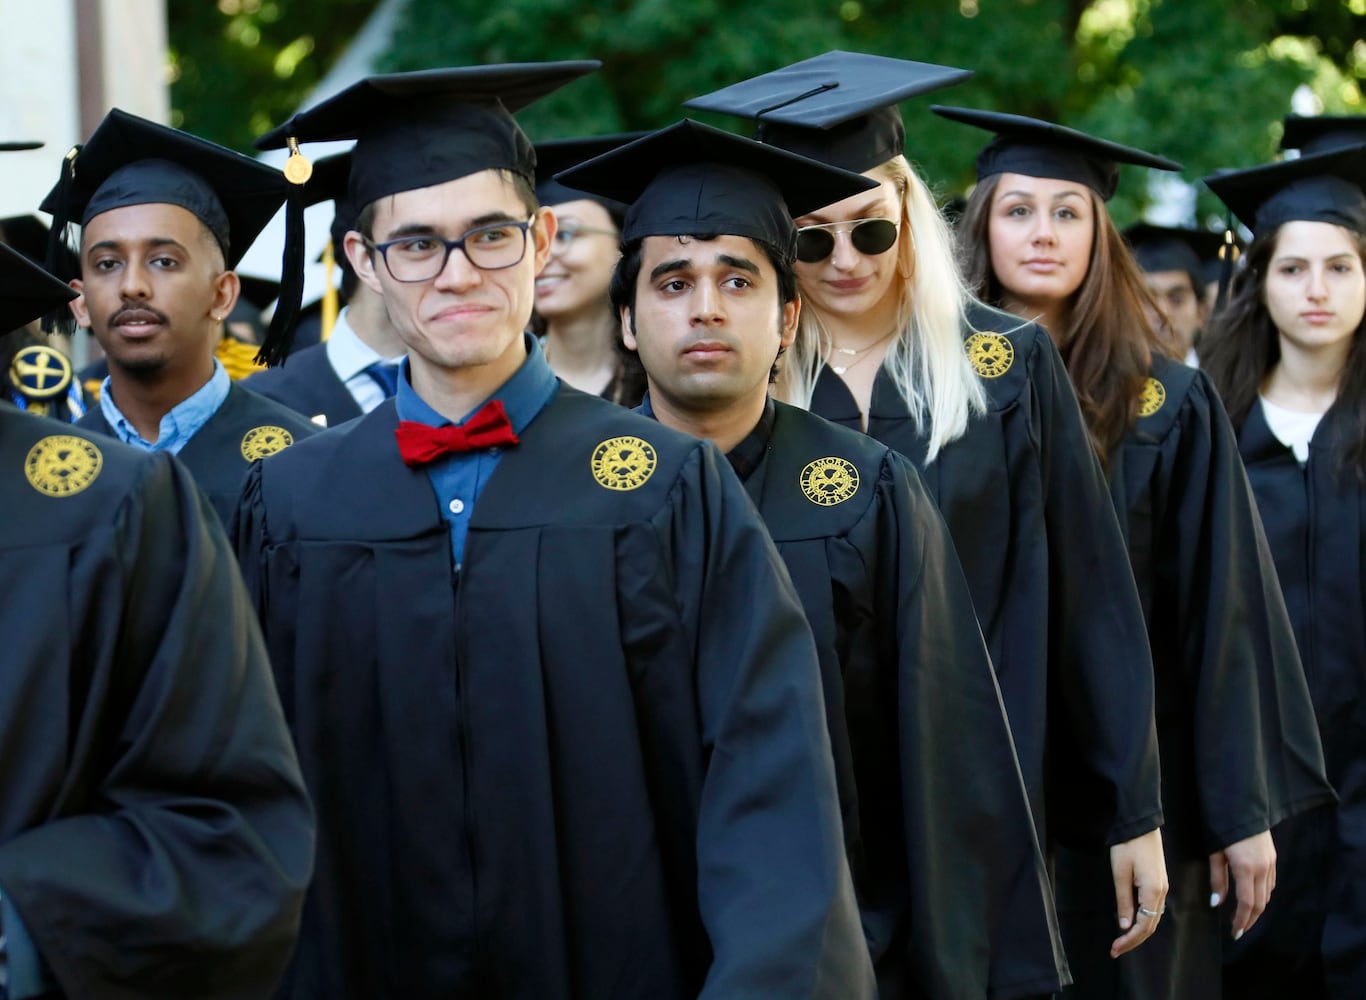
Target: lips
849,284
704,349
461,312
1316,317
135,322
549,282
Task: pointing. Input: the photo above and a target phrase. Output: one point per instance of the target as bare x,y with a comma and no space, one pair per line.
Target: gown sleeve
185,874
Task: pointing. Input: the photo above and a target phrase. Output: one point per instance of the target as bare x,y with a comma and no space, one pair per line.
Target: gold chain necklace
857,353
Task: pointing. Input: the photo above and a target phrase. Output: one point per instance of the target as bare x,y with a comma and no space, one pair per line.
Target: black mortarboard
556,155
694,180
1173,248
1320,133
414,130
132,161
330,181
30,236
27,291
1320,187
839,108
1042,149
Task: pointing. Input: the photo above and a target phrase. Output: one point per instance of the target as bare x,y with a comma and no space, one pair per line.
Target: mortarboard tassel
62,319
330,305
1228,253
275,347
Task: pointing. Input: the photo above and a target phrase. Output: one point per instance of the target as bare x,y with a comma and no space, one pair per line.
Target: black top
308,385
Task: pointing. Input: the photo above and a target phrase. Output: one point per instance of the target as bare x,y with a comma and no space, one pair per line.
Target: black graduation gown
246,427
155,837
1312,937
1240,749
590,763
1029,510
308,384
938,830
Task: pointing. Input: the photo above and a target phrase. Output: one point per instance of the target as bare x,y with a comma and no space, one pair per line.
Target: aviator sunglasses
869,236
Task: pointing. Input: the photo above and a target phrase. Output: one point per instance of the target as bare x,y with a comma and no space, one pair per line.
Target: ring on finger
1143,911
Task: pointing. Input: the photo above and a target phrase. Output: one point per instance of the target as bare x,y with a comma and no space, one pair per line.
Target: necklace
857,353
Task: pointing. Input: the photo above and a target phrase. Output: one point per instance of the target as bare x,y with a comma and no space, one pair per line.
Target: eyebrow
685,264
154,241
1032,197
425,229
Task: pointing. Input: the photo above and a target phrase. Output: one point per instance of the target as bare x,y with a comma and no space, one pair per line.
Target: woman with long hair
1288,354
580,331
1234,725
891,342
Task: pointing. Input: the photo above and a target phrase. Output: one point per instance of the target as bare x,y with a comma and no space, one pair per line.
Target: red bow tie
489,427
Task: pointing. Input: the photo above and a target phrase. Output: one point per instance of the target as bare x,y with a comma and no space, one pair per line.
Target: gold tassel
330,301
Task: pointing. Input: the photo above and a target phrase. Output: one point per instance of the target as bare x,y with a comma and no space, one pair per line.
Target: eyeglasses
869,236
421,258
570,231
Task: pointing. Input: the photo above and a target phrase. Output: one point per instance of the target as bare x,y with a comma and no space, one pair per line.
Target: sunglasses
869,236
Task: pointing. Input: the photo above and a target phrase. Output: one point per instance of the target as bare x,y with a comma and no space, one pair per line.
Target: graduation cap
556,155
132,161
839,108
1320,133
329,181
30,236
694,180
415,130
27,291
1042,149
1174,248
1319,187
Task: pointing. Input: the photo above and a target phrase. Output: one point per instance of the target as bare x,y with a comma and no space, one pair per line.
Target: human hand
1253,864
1138,866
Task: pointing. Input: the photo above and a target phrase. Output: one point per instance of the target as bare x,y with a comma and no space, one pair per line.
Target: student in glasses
891,342
580,332
1234,724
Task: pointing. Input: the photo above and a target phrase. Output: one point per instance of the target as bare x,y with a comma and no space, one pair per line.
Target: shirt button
457,506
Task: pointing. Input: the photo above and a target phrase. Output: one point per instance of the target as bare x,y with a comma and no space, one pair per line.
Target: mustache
126,313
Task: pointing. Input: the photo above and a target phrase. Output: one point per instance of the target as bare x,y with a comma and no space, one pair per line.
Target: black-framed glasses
869,236
570,231
421,258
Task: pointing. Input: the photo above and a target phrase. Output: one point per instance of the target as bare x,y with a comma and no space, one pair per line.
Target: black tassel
1228,253
275,348
56,240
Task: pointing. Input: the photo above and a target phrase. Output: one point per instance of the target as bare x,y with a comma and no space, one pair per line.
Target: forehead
1040,187
1313,239
1163,281
452,206
691,252
139,223
584,211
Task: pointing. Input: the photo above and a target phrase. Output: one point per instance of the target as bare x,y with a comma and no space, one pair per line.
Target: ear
791,313
226,287
628,328
362,260
79,308
543,233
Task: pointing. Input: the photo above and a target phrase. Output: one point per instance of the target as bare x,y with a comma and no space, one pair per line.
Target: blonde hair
927,362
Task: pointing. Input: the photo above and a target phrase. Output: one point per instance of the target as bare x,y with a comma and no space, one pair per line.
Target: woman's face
1315,286
849,283
576,277
1040,232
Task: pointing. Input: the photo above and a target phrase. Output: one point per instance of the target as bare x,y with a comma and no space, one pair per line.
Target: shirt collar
523,396
347,353
182,422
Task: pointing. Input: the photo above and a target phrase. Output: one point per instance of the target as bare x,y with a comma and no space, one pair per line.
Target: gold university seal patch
62,465
264,441
990,353
623,463
39,372
1152,397
828,481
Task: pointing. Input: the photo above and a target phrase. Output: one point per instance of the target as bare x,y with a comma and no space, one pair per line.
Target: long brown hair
1242,346
1108,343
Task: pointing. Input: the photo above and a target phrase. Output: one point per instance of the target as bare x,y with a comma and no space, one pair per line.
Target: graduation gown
1239,747
939,833
1028,507
1314,930
591,762
246,427
308,384
155,838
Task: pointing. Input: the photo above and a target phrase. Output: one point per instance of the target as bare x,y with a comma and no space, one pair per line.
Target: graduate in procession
579,328
891,342
165,216
552,690
1288,356
1174,261
155,838
937,823
1240,751
355,366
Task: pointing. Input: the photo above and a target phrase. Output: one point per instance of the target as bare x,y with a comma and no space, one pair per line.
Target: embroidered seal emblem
40,372
61,465
1152,397
264,441
828,481
990,353
623,463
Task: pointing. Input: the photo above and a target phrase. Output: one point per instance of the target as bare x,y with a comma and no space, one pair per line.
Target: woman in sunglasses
1234,725
891,342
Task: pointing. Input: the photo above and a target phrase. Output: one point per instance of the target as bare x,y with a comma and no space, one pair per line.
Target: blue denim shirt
183,422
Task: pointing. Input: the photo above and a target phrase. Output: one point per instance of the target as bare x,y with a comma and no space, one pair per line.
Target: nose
706,305
457,274
133,281
845,257
1043,228
1318,285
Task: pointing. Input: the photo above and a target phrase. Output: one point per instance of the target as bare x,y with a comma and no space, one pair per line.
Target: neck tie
385,376
488,427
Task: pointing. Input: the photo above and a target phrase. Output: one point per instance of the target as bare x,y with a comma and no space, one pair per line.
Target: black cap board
1173,248
132,161
556,155
693,180
1320,133
1319,187
27,291
415,130
330,181
30,235
839,107
1038,148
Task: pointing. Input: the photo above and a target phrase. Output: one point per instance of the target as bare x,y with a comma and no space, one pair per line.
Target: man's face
1183,311
463,317
153,289
707,321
